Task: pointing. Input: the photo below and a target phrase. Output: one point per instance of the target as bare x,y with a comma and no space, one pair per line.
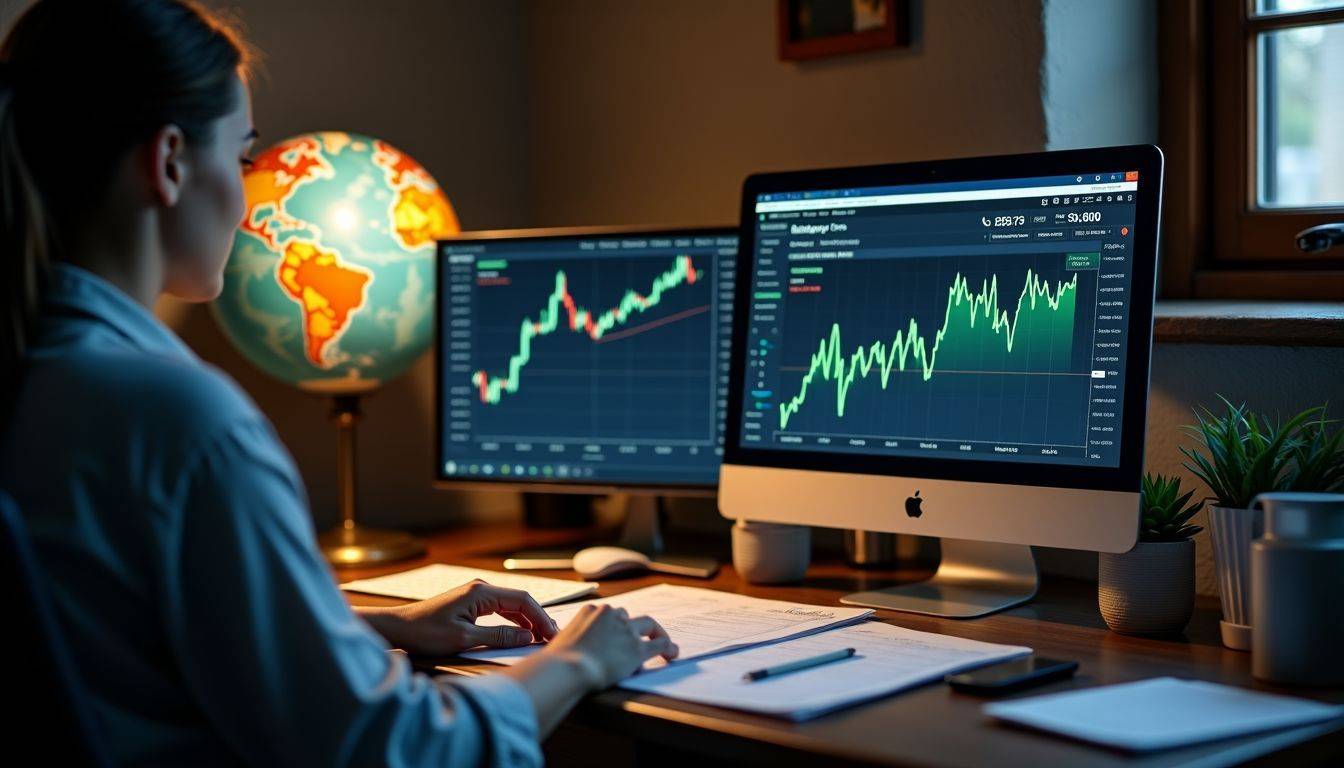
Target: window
1300,116
1264,113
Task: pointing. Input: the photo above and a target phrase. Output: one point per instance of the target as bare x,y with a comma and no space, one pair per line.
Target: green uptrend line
580,320
975,333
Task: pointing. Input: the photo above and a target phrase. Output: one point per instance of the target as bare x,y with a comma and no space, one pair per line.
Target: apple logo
912,505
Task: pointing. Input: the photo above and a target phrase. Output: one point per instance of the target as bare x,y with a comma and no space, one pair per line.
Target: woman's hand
446,624
608,646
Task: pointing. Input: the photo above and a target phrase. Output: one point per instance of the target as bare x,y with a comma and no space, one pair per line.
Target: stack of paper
722,636
700,621
431,580
888,659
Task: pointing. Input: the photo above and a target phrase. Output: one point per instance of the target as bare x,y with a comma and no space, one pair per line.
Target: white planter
1232,531
1148,590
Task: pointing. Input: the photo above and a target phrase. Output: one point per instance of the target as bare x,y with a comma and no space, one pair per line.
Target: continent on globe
420,217
274,176
326,285
327,290
420,212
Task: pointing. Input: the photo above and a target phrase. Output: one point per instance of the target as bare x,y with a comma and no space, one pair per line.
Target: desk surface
930,726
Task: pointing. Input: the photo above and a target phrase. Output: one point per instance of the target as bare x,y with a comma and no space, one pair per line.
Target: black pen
794,666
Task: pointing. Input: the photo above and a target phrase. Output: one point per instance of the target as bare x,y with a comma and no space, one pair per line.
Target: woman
169,520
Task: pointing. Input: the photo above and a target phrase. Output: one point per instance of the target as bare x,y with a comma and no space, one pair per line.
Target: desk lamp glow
330,288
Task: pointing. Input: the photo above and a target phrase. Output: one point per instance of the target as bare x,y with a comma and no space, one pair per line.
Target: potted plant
1151,588
1242,455
1318,459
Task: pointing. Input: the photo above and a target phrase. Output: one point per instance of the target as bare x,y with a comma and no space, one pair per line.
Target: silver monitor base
643,532
975,578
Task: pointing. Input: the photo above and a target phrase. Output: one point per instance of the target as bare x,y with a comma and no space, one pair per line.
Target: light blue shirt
174,530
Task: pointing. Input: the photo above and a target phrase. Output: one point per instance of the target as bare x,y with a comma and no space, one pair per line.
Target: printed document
700,621
887,659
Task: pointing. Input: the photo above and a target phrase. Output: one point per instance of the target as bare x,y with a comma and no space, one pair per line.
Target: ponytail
81,83
24,238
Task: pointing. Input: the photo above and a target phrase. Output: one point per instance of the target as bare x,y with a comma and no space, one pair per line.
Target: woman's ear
167,157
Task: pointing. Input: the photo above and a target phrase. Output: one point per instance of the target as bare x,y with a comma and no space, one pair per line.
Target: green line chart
1037,336
561,303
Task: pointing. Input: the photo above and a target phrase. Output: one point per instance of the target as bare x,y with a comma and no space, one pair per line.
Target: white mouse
601,562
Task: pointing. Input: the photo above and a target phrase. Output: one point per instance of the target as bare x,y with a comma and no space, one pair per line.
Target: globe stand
350,544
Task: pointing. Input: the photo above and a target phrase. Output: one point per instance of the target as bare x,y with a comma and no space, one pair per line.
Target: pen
794,666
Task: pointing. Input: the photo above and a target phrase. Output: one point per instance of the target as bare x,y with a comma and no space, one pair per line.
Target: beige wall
653,112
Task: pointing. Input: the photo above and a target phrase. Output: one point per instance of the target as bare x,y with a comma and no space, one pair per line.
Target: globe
330,283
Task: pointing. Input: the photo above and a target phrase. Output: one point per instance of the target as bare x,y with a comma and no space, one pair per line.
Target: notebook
430,580
1161,713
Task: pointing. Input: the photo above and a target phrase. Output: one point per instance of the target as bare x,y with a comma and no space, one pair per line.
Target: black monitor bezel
1146,159
443,480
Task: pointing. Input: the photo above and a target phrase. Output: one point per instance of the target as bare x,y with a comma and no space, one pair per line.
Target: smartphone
1012,675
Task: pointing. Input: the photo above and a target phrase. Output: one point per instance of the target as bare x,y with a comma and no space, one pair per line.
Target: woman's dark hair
81,83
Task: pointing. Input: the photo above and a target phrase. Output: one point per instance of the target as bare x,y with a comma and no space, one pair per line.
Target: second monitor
586,359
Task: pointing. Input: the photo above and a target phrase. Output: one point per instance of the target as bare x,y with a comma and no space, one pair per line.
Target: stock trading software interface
984,320
586,360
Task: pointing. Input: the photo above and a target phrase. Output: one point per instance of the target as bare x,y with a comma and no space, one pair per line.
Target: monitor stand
974,578
643,532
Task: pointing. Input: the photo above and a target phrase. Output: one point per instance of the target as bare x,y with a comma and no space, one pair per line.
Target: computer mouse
601,562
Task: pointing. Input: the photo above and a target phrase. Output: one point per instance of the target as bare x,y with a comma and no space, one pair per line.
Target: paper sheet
434,579
1161,713
888,659
700,621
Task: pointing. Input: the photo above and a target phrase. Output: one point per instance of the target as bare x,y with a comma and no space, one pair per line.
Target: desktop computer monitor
956,349
584,360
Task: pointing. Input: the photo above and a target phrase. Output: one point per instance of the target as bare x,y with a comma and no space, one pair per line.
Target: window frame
1219,244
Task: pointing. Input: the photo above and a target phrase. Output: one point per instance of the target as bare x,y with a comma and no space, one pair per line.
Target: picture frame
816,29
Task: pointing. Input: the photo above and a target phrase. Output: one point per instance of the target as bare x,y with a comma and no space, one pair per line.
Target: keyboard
431,580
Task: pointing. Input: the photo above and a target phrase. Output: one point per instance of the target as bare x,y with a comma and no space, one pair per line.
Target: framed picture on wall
814,29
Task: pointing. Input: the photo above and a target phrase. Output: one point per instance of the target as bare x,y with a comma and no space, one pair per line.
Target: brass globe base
357,545
349,543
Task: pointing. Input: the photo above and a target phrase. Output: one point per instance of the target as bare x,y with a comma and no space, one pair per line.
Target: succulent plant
1166,512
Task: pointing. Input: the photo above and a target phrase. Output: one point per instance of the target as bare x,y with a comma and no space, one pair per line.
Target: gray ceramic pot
1149,590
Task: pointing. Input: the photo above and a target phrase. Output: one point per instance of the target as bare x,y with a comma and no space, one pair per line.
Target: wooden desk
930,726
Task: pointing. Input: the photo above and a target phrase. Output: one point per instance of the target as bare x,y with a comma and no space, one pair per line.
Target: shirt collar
73,291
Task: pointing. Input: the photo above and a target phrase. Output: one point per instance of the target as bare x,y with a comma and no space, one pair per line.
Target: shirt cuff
507,717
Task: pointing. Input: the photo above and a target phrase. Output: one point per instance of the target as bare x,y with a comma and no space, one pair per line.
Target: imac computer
956,349
585,360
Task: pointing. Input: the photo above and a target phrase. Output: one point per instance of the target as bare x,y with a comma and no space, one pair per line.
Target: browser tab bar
1098,184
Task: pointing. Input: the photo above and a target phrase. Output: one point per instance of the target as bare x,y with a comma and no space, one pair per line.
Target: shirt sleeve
278,661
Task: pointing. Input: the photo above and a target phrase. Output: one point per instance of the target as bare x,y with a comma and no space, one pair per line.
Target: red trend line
628,332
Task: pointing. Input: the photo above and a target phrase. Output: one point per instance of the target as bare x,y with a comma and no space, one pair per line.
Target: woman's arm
274,658
446,624
600,646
